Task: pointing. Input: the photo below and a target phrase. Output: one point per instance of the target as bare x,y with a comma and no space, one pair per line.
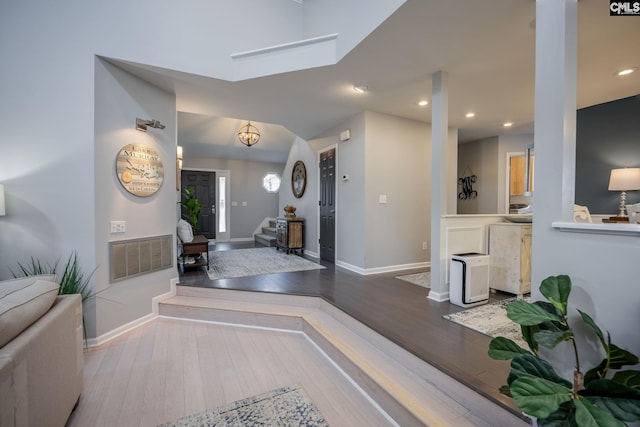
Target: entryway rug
420,279
287,406
254,262
490,319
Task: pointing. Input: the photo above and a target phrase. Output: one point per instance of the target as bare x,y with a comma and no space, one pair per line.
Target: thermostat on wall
345,135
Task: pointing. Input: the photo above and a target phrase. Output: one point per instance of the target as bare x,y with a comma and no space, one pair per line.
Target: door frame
318,172
220,237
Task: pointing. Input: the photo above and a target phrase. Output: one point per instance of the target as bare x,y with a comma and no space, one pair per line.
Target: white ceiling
486,47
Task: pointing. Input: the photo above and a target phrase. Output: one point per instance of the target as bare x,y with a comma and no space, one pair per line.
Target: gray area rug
490,319
420,279
254,262
287,406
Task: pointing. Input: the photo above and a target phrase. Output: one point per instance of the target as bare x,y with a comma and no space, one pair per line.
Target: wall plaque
139,169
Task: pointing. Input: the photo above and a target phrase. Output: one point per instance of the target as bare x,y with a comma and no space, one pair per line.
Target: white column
555,119
439,166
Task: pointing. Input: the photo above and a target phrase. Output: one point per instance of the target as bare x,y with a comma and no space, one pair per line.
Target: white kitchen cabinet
510,257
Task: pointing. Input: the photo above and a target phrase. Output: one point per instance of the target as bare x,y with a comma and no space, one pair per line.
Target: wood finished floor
168,369
398,310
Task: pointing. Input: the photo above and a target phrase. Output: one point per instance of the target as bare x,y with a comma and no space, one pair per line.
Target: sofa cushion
22,302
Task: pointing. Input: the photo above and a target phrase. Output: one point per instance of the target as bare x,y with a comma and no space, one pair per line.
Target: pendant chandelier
249,135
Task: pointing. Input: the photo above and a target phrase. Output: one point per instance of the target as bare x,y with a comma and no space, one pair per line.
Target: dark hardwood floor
396,309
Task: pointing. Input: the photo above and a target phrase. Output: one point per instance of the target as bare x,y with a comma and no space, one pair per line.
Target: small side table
199,245
290,234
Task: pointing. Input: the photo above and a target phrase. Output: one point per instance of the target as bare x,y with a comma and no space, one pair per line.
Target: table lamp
623,180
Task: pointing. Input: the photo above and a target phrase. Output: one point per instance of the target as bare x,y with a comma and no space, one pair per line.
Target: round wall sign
139,169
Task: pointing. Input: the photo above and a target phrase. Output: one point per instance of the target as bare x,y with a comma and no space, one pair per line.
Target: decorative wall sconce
623,180
249,135
2,211
142,125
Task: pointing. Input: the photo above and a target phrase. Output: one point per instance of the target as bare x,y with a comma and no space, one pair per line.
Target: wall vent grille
130,258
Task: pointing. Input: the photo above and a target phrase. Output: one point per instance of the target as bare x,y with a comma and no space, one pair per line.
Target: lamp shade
624,179
2,211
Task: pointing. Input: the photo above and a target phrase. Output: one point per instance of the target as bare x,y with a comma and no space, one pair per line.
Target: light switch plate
118,226
383,198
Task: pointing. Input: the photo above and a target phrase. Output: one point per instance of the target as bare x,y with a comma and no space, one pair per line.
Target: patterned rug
254,262
490,319
287,406
420,279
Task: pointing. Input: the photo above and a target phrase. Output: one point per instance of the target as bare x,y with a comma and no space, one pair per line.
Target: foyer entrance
204,186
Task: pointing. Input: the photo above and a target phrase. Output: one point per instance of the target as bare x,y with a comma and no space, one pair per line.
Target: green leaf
588,415
563,417
502,348
620,357
621,401
591,324
505,390
557,289
551,339
527,314
595,373
527,364
628,378
528,333
539,397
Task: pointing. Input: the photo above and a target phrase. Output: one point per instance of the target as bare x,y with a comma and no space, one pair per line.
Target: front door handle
332,211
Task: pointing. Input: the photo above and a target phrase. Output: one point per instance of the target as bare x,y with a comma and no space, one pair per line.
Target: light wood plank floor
168,369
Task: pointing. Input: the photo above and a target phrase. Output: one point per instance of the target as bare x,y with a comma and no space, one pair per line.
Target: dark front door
328,205
204,184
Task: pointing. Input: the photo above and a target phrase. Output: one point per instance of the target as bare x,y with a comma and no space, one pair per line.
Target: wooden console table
198,246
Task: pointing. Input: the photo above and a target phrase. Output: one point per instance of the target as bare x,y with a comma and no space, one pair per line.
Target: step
408,389
269,231
265,240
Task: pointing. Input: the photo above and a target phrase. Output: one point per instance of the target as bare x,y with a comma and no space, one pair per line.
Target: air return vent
130,258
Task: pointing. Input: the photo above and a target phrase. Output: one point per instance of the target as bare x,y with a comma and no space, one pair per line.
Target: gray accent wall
607,137
245,178
480,159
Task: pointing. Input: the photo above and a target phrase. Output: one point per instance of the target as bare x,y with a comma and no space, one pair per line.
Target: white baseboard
104,338
311,254
379,270
438,296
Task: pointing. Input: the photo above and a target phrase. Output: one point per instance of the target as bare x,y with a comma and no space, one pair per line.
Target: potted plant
603,396
192,207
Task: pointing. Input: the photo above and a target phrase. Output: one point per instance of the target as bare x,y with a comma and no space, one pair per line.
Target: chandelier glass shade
249,135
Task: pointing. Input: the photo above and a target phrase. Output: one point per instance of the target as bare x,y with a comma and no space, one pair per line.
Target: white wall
245,178
120,98
50,162
397,152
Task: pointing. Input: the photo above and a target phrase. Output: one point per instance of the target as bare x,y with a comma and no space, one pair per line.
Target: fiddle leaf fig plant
192,207
603,396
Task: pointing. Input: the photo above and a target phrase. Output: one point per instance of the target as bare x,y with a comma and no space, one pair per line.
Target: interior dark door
204,184
328,205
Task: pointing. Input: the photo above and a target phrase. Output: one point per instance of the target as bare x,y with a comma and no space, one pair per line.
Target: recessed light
626,71
470,114
423,103
361,88
508,124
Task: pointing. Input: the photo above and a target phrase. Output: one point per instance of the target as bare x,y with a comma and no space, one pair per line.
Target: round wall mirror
298,179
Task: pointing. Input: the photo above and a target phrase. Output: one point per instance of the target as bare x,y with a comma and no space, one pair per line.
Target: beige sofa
41,366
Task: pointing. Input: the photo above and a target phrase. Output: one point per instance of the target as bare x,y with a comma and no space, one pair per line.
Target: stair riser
391,406
265,242
289,323
253,297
